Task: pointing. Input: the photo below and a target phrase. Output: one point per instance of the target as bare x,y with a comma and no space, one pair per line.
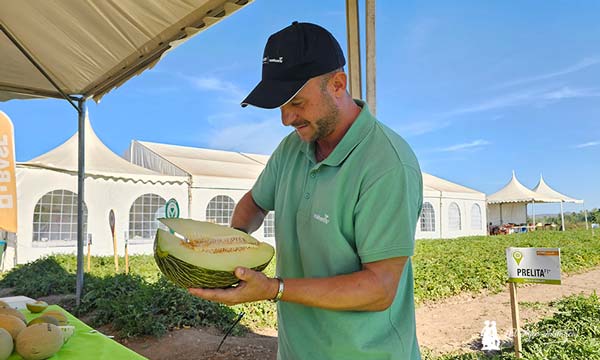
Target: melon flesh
209,253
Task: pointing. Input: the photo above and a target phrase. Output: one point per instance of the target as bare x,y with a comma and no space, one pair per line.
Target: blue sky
478,88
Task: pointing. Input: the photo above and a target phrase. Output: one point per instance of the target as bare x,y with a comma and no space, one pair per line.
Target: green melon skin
191,267
6,344
39,341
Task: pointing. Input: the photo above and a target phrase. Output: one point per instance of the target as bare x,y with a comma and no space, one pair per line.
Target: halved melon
208,255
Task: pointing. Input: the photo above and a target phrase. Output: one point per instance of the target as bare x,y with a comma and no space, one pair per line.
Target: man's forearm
371,289
247,215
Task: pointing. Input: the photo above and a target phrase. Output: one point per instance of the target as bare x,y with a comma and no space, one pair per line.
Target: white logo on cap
278,60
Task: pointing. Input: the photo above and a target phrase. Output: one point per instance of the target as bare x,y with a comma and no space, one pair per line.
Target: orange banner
547,253
8,179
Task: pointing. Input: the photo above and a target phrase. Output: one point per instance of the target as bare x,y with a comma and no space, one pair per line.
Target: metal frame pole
353,35
370,45
80,198
562,216
80,107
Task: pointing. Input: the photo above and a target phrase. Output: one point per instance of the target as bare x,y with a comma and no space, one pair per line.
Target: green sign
172,209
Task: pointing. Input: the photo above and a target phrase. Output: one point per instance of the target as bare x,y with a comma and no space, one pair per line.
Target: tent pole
80,197
441,233
562,216
585,215
501,222
370,45
353,38
533,213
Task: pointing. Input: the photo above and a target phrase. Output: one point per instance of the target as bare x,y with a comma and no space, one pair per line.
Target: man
347,194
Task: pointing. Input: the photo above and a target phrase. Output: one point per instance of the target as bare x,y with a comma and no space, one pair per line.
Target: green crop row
442,268
573,332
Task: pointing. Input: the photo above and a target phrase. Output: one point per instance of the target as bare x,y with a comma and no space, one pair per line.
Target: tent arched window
427,217
454,218
220,209
269,225
55,218
143,214
476,217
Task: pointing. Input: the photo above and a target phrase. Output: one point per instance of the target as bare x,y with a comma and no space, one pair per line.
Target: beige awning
90,47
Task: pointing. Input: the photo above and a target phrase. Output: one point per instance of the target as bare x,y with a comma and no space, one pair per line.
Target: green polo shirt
361,204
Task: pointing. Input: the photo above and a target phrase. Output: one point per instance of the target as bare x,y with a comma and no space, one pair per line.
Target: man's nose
287,117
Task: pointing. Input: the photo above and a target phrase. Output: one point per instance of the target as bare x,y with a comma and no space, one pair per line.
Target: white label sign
533,265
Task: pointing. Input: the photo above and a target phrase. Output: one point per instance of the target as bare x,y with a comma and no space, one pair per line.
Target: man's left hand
253,286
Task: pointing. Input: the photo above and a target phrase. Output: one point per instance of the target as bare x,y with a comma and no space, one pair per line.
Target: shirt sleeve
386,215
263,191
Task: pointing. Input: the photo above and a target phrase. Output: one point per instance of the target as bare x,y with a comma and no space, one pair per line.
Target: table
86,343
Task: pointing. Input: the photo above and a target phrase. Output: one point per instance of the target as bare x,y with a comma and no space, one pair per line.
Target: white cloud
587,144
568,93
581,65
526,97
217,85
420,127
473,145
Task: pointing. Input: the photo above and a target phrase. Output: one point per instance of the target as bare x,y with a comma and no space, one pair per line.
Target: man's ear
339,81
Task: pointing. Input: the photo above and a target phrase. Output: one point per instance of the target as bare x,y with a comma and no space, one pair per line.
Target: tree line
572,219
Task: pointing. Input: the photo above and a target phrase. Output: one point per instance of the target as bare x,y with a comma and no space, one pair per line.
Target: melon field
144,303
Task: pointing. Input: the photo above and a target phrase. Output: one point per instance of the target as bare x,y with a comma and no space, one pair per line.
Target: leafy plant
444,268
573,332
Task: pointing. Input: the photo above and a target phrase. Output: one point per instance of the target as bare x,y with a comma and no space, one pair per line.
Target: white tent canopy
515,192
433,184
554,196
45,190
515,197
551,195
194,161
100,161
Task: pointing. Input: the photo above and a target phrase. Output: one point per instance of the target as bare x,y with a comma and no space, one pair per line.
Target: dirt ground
451,325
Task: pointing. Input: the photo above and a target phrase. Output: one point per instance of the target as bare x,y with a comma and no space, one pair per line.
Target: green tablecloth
85,344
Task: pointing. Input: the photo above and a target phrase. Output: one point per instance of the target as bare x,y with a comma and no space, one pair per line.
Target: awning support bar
38,66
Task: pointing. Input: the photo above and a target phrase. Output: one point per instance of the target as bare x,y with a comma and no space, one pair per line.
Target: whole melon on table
13,312
207,254
12,324
6,344
39,341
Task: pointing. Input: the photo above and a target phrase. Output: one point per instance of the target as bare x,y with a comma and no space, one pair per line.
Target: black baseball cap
293,56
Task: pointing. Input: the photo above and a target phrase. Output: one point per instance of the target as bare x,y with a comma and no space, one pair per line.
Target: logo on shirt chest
322,218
